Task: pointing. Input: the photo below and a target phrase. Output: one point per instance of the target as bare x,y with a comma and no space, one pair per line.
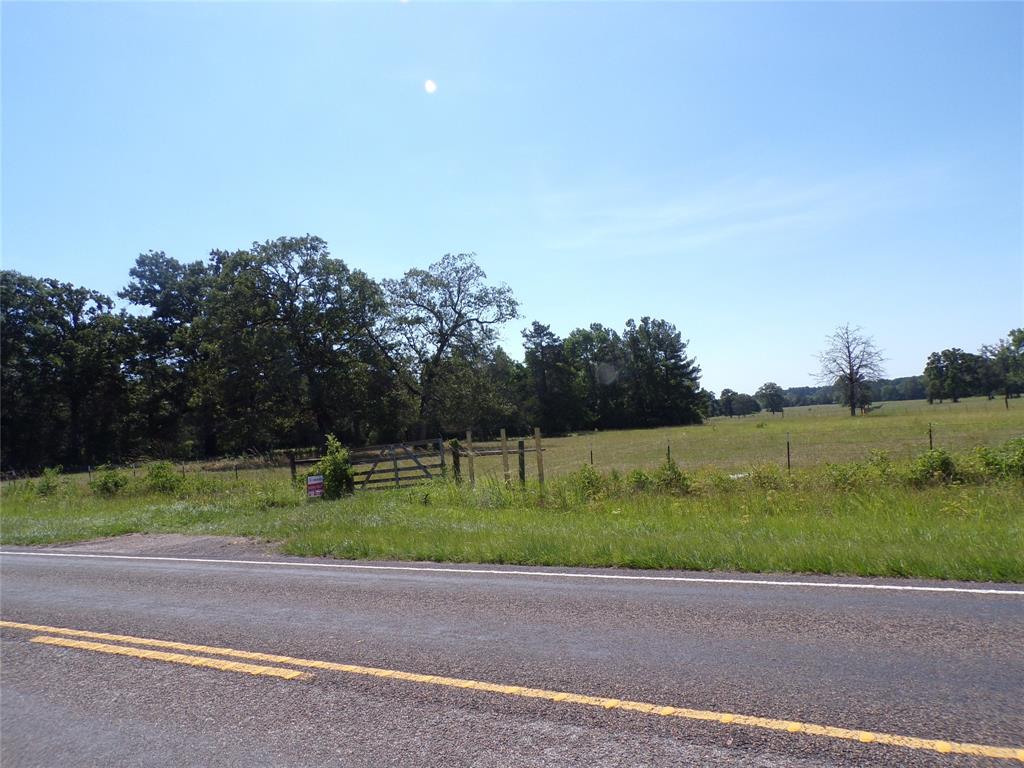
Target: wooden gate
397,464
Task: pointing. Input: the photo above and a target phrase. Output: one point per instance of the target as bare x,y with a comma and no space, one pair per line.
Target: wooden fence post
469,454
506,473
394,464
456,464
440,450
291,463
522,463
540,455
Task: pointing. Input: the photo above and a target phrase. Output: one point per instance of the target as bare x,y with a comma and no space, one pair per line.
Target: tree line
997,370
280,344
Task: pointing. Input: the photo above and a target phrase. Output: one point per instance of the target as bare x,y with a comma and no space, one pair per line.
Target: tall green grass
876,517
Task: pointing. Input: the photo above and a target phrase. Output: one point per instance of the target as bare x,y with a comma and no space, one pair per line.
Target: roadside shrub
199,484
934,467
668,477
879,465
108,481
1013,450
50,481
1005,461
711,479
843,477
587,483
992,462
336,467
614,483
638,481
160,477
768,477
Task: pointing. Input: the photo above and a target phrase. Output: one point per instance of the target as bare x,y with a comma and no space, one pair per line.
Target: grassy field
837,512
952,532
818,434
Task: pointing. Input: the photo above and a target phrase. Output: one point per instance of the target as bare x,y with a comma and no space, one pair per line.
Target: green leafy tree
727,401
434,315
1006,362
163,367
744,404
557,398
63,388
600,360
935,377
771,397
662,381
285,354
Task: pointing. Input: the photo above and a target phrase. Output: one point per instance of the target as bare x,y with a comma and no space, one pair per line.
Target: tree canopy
279,344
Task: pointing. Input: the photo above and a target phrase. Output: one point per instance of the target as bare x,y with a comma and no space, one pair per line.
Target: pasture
843,509
818,434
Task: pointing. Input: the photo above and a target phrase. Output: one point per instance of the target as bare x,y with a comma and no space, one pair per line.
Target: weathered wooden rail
397,465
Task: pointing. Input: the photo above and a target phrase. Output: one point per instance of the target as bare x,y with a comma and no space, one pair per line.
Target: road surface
257,660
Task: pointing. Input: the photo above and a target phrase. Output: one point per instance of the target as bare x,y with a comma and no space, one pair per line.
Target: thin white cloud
732,210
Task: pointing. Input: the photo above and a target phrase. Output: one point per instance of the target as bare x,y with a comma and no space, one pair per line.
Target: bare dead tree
850,362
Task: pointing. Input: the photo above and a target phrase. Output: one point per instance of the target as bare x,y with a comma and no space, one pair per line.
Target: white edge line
556,574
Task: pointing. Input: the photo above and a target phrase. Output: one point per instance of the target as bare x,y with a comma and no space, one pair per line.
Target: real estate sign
314,486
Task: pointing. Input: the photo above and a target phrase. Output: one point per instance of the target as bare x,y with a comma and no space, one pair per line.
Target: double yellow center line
101,642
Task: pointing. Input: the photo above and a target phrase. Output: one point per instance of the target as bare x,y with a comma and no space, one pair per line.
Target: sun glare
430,86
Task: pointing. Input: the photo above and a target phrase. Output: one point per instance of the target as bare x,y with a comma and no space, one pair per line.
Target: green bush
1013,450
934,467
108,481
161,477
843,477
50,481
877,469
768,476
1005,461
588,483
879,465
336,467
716,480
668,477
638,481
614,484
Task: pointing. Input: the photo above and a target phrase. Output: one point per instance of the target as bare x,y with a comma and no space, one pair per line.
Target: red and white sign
314,486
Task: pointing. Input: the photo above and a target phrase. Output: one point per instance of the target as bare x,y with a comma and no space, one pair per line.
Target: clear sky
754,173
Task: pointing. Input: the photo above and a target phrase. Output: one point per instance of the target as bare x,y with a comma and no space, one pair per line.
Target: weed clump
108,481
50,481
934,467
588,483
669,478
638,481
161,478
1005,461
767,477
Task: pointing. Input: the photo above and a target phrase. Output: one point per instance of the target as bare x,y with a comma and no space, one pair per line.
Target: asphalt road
933,665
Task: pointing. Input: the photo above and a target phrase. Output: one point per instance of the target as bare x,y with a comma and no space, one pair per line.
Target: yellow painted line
729,718
176,658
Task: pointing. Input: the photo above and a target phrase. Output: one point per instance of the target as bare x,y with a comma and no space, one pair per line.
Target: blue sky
754,173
